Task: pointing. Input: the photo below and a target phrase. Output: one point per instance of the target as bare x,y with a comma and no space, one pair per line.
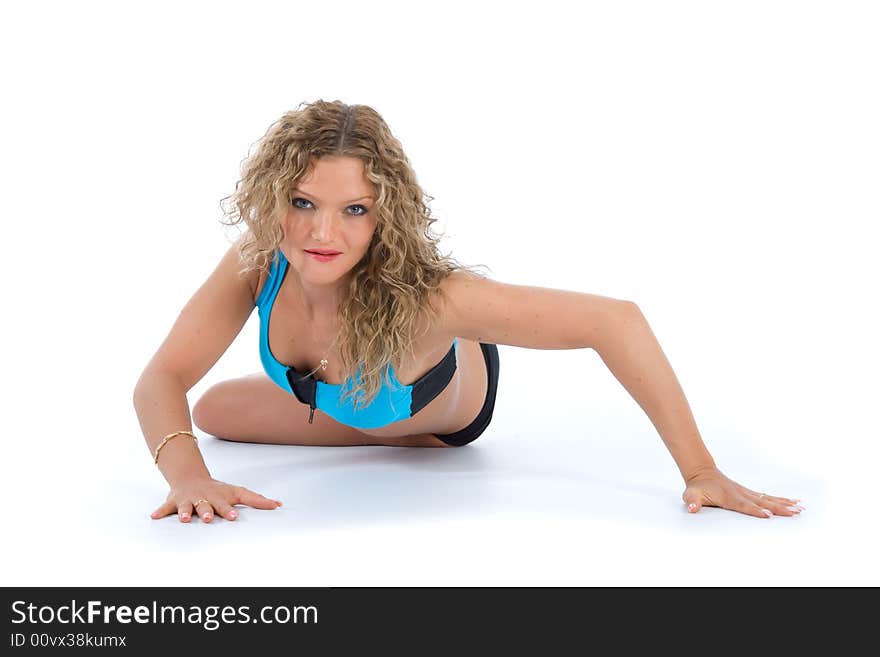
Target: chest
296,342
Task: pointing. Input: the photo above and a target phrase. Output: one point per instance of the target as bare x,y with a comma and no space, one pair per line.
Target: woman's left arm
543,318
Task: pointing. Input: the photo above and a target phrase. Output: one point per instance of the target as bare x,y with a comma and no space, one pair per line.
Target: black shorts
474,429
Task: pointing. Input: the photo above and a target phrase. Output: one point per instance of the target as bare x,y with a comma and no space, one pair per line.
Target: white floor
579,498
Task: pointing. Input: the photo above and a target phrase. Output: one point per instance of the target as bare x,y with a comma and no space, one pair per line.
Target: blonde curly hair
392,284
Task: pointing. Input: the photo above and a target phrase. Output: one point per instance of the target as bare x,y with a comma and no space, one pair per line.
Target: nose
324,226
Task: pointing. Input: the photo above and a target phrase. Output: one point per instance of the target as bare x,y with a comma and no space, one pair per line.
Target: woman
375,338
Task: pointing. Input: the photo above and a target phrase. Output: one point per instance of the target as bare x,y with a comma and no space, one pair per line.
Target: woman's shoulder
258,284
441,300
258,277
454,298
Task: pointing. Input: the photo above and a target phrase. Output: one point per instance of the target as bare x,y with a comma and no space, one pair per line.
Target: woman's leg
254,409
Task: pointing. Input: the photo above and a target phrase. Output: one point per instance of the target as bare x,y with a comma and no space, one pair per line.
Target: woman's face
332,208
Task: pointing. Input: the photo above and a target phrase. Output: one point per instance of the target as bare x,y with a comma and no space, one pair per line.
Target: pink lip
322,258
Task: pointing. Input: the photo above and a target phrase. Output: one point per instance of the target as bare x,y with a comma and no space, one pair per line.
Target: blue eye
295,200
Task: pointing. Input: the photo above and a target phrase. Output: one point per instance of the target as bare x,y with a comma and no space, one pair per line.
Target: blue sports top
391,404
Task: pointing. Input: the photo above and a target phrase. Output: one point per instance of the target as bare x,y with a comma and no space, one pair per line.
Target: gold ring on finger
200,501
761,495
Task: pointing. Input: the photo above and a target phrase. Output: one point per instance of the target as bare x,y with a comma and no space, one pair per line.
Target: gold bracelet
169,437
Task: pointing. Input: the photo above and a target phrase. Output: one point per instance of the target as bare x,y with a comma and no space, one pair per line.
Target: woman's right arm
205,328
162,408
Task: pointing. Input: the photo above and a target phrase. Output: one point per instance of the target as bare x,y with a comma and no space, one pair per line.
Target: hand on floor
205,495
712,488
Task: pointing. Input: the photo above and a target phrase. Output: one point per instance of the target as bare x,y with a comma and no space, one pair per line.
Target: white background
716,163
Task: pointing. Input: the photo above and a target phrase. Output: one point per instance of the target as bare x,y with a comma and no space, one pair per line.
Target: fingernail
277,502
185,516
207,516
233,514
767,512
692,506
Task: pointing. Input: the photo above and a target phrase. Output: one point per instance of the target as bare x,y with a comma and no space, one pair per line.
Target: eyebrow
302,191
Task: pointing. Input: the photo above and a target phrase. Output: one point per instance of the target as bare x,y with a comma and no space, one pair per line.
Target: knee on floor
213,406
